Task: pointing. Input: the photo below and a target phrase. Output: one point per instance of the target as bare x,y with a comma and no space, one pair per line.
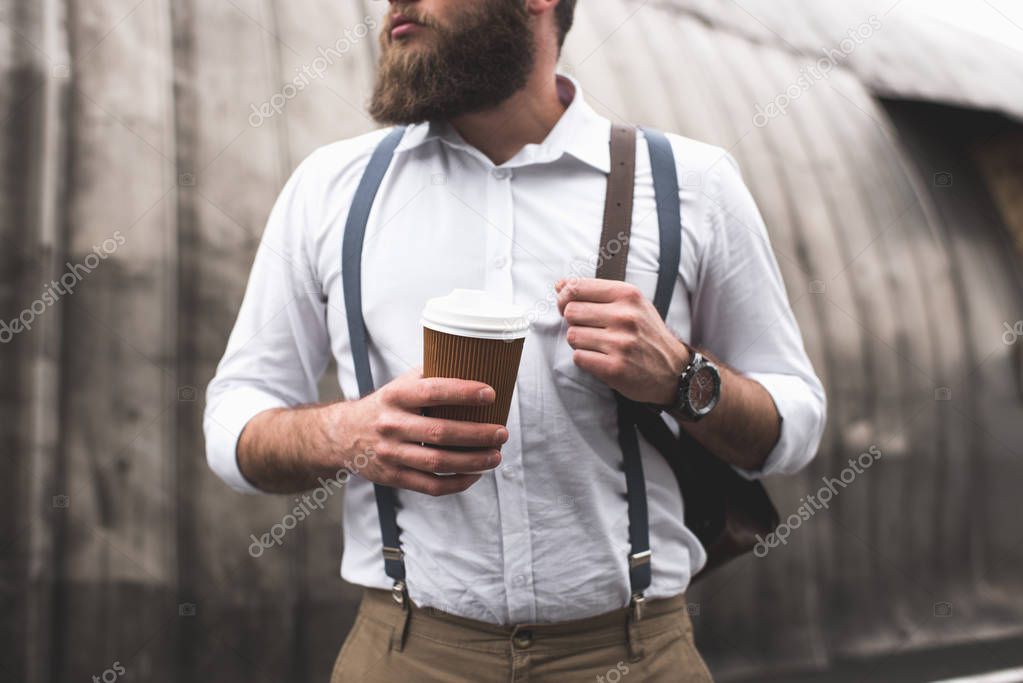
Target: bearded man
514,557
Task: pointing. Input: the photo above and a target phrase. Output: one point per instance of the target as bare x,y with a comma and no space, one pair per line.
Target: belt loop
400,594
634,616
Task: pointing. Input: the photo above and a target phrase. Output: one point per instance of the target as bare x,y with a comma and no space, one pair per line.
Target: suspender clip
636,606
635,642
400,593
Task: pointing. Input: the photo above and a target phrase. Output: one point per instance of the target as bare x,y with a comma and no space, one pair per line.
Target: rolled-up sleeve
742,315
279,346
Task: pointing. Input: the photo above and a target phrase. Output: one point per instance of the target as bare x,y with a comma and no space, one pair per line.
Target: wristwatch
699,389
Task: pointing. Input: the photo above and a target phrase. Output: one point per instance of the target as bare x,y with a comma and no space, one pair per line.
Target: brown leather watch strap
613,253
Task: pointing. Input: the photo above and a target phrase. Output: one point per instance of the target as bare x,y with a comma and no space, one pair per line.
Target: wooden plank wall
129,128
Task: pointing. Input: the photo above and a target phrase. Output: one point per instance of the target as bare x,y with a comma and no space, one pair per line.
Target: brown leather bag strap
612,257
621,183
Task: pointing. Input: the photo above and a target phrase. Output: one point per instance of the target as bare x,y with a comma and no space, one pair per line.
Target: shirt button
502,173
500,262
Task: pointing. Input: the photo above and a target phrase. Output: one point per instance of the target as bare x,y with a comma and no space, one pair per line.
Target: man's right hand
388,431
379,437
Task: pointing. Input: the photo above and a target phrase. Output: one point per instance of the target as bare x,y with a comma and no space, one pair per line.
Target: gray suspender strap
617,218
351,275
669,216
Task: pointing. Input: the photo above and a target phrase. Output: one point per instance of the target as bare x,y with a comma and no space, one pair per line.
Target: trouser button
523,639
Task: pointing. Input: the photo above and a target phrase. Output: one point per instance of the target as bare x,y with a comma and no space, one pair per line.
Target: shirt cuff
225,420
802,423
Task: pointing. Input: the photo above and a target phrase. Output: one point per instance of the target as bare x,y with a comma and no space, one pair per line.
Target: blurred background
144,141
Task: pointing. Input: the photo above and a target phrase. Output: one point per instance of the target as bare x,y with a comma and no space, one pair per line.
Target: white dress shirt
545,536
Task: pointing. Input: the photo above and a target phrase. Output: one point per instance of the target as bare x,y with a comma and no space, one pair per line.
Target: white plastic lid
475,313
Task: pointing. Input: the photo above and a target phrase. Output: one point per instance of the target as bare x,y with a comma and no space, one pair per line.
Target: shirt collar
580,133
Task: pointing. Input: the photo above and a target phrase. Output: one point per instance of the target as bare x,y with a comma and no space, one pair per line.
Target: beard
483,57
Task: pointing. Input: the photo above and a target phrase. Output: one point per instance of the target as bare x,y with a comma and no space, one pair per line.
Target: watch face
703,390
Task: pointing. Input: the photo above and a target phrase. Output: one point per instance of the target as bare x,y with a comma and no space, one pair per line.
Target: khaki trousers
394,644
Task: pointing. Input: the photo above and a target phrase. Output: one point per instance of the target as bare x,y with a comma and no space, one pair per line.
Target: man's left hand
620,338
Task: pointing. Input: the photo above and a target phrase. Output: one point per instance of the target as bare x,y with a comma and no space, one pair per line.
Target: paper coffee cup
471,334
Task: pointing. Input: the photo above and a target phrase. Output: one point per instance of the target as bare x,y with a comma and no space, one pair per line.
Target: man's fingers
441,461
421,429
591,338
589,314
591,289
599,365
443,391
430,484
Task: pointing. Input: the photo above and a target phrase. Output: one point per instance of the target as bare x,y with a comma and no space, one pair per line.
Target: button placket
518,557
518,549
500,226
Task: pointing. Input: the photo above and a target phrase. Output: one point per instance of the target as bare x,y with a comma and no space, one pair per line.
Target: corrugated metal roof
912,55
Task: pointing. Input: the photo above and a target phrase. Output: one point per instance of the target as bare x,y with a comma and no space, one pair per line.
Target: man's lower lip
404,30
